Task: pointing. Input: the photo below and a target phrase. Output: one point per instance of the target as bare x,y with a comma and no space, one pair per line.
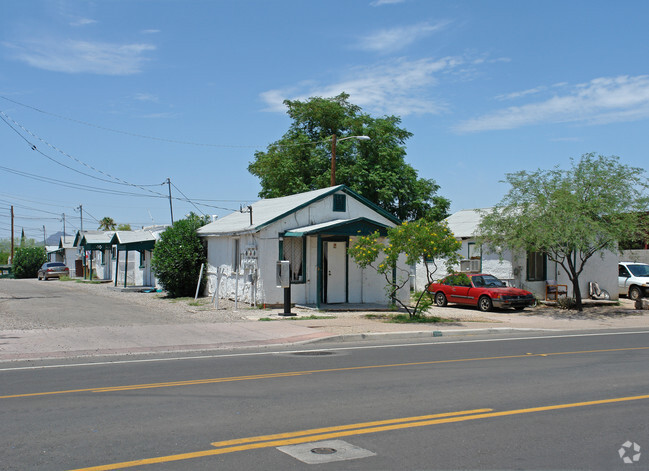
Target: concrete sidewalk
113,340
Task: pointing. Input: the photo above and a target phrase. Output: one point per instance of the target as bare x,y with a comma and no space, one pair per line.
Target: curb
423,334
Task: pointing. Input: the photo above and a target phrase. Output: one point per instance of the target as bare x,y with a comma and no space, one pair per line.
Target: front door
336,273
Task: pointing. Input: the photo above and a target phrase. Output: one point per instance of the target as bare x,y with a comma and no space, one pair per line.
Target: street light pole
334,140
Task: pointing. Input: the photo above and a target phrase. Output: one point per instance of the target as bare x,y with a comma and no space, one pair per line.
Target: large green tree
570,215
376,168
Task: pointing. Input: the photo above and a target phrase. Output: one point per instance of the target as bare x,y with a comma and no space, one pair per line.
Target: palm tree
107,224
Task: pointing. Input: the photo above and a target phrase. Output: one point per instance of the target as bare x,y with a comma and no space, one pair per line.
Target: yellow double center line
318,434
134,387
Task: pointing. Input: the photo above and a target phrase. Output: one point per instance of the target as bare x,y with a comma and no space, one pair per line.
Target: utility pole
12,234
80,208
44,237
171,208
64,228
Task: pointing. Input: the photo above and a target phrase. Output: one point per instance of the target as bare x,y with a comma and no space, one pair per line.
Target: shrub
178,255
27,261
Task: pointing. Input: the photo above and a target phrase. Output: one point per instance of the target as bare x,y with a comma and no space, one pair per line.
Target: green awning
344,227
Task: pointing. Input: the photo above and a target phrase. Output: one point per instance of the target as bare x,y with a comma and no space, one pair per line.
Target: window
340,203
536,266
293,248
142,257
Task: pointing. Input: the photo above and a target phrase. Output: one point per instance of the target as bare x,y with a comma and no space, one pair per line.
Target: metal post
198,286
287,302
126,269
171,208
117,266
12,235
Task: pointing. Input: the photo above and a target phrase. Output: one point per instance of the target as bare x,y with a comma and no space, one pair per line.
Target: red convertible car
481,290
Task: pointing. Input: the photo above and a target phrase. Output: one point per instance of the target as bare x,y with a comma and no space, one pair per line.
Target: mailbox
283,278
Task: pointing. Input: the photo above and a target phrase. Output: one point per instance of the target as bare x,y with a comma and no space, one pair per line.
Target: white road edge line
281,352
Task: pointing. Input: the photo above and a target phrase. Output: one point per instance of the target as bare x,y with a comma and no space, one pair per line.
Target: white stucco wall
512,268
363,285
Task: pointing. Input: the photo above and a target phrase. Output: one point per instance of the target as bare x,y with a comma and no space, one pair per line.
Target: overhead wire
115,180
155,138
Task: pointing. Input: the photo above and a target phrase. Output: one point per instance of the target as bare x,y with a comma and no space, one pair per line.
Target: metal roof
86,238
267,211
131,237
338,226
464,224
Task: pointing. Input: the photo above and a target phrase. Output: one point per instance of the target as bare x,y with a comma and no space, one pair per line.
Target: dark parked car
53,270
481,290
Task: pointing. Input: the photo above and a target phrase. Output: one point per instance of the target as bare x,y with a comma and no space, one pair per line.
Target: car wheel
485,304
440,299
635,293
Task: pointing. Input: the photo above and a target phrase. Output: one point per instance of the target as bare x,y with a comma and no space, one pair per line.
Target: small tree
570,215
107,224
27,261
124,227
420,240
178,256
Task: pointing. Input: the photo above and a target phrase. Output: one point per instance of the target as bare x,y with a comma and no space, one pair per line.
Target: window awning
344,227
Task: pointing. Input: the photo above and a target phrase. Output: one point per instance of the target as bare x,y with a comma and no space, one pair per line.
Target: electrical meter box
283,274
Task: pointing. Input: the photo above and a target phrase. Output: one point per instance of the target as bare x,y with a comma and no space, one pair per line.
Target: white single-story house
95,248
532,271
65,252
312,231
132,252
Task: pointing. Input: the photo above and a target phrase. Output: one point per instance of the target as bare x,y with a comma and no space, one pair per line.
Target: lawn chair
553,290
596,293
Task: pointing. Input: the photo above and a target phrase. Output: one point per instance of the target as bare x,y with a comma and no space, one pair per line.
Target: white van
633,279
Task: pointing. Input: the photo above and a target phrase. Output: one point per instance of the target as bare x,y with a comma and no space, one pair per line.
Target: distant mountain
55,238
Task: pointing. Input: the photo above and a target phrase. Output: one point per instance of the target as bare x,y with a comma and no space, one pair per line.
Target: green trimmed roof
268,211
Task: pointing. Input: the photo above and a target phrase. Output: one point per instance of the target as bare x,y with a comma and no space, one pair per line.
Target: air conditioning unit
470,266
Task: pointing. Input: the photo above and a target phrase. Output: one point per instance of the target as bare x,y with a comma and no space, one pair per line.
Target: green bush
178,255
27,261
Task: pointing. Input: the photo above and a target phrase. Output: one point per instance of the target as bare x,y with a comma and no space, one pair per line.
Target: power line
33,147
154,138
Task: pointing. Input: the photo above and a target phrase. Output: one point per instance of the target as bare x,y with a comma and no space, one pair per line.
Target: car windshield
482,281
55,264
639,270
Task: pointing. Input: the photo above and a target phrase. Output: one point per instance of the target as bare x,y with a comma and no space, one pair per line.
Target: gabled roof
134,240
267,211
93,238
68,244
464,224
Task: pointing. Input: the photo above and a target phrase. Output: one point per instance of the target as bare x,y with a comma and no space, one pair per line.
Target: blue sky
108,99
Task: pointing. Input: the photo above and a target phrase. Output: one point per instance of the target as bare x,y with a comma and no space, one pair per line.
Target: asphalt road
564,402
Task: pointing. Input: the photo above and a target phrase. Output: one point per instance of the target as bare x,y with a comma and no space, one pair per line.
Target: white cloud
82,22
73,56
396,87
146,97
394,39
600,101
150,31
378,3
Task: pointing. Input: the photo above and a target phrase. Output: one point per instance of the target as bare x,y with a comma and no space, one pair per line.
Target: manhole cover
314,353
323,451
